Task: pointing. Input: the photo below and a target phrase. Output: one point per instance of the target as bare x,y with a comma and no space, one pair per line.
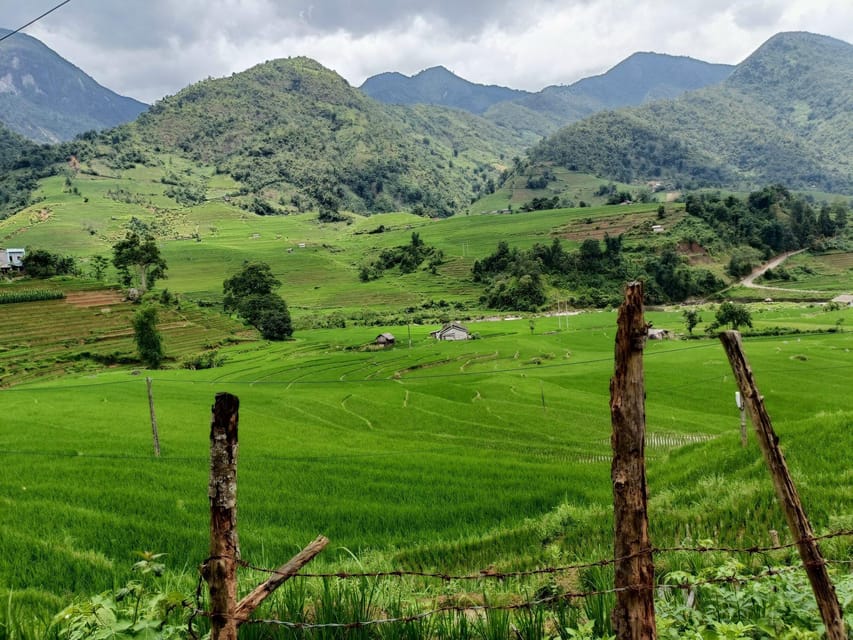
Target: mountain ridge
796,129
437,86
47,99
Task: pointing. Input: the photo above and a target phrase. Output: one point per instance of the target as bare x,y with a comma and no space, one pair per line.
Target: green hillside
783,117
296,137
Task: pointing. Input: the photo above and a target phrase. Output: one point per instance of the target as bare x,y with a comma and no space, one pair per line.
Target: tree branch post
815,566
220,569
281,575
634,613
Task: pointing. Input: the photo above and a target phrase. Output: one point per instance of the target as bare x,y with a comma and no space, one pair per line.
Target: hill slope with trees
297,136
783,116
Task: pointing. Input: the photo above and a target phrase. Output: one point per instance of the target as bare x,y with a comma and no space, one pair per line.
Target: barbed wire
491,573
517,606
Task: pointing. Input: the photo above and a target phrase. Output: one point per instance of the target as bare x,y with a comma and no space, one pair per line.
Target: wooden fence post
634,614
815,566
220,571
154,432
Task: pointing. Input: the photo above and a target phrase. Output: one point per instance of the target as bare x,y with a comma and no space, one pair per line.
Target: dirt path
749,281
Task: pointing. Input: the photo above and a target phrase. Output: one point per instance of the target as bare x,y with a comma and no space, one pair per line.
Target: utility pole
154,432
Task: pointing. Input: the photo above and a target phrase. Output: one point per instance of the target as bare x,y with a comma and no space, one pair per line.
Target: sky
148,49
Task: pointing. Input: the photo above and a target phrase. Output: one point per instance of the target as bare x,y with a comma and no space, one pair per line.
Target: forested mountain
47,99
637,79
297,136
640,78
437,86
785,115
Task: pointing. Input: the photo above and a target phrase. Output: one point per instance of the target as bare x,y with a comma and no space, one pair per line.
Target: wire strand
34,20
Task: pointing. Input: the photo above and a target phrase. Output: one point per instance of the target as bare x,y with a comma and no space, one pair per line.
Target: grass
317,263
447,456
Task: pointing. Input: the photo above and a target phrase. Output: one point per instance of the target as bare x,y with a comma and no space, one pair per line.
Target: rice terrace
392,340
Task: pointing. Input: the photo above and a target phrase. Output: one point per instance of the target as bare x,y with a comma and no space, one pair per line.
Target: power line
34,20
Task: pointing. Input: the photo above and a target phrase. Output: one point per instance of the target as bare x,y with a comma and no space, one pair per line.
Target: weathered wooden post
634,614
815,566
154,432
220,569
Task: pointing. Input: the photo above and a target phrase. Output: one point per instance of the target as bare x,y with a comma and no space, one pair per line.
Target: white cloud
152,48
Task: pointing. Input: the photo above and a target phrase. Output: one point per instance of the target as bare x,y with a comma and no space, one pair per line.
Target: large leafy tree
249,294
138,260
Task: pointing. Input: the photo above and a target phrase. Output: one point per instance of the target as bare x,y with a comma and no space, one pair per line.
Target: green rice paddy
450,456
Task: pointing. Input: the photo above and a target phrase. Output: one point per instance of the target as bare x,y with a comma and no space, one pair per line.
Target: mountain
437,86
640,78
47,99
784,115
297,136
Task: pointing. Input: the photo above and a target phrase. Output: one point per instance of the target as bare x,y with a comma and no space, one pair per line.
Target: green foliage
595,274
99,267
209,359
149,342
541,203
407,257
255,278
138,260
691,319
41,263
249,294
142,609
733,315
767,221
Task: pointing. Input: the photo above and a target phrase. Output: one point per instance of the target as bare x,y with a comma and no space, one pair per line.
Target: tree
249,293
691,319
41,263
149,343
256,278
139,252
732,314
99,266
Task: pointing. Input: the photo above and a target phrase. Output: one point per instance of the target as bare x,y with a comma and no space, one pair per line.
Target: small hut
385,340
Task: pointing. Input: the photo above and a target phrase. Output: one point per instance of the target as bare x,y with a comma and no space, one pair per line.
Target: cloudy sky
150,48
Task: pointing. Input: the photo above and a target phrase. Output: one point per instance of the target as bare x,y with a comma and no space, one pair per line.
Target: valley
464,485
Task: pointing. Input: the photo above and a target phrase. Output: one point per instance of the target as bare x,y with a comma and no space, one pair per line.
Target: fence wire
491,573
517,606
551,600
